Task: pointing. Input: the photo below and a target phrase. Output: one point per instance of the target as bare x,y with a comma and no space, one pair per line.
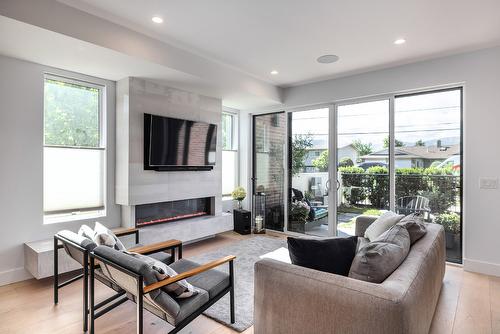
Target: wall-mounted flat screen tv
178,144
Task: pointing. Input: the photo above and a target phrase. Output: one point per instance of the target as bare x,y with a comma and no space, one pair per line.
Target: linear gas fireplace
164,212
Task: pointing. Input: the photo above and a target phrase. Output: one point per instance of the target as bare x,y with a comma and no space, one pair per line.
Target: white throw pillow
381,224
86,232
179,289
104,237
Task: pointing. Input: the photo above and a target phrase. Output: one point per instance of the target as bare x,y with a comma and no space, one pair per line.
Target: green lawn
357,210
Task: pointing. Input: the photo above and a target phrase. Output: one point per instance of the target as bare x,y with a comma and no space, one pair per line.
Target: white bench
39,259
39,255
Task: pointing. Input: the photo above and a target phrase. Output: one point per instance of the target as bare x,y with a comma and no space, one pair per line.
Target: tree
300,144
397,143
71,114
321,162
363,149
420,142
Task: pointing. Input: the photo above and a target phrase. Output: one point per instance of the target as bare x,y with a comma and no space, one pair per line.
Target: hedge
439,185
354,184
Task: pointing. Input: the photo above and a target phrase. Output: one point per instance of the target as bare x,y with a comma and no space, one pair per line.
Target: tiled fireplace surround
165,205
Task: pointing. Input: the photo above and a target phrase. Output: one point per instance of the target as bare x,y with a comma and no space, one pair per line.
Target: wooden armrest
122,231
156,247
189,273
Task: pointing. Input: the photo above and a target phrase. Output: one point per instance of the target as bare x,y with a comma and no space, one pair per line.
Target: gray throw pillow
415,226
180,289
103,236
376,260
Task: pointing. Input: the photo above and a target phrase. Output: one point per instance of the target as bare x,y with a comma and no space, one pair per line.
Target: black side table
242,221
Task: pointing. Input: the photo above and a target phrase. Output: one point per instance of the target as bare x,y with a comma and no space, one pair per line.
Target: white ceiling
259,36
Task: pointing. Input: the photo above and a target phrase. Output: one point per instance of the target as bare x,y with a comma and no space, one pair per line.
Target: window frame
80,213
234,144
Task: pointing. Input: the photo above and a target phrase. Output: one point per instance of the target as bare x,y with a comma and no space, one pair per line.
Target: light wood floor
469,303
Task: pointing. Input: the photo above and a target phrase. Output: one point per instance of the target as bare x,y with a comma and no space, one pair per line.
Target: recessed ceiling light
157,19
274,72
327,59
400,41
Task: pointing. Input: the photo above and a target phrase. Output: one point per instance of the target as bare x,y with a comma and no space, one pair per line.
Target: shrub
450,222
410,182
378,186
352,176
355,194
353,179
346,162
442,189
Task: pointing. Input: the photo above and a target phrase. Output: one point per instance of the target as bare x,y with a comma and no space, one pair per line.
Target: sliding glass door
402,153
362,162
308,163
428,140
398,152
269,136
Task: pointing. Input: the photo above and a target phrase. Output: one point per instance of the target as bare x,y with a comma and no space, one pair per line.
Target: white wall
21,162
479,72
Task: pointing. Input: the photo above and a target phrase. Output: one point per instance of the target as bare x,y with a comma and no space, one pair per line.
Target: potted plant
299,212
239,195
451,224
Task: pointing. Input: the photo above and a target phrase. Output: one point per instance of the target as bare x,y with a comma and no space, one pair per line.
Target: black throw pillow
333,255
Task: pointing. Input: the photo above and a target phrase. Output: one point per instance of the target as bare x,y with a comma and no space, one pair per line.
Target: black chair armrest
121,232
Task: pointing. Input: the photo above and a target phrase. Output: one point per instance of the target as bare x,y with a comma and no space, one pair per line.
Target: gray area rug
247,252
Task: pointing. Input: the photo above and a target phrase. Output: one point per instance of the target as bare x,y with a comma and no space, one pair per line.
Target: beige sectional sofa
294,300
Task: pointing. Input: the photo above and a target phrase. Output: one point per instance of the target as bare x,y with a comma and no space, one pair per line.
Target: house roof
422,152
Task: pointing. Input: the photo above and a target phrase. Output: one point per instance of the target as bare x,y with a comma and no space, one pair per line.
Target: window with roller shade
74,149
229,153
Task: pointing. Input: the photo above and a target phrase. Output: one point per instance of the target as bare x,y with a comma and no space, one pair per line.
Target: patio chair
79,249
413,204
138,279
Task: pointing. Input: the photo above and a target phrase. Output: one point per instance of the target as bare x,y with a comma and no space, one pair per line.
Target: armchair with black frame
79,249
138,279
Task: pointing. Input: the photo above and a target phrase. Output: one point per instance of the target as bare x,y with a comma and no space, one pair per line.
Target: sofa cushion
330,255
213,281
382,224
378,259
415,226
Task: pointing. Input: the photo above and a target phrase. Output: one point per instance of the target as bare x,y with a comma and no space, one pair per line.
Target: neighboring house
319,145
348,151
414,156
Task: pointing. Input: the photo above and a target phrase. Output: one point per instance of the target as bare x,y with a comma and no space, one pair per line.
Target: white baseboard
482,267
14,275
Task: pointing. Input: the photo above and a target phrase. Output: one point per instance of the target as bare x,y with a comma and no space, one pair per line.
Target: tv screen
171,143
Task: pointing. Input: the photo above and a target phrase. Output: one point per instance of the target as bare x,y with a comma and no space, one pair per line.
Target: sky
426,117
